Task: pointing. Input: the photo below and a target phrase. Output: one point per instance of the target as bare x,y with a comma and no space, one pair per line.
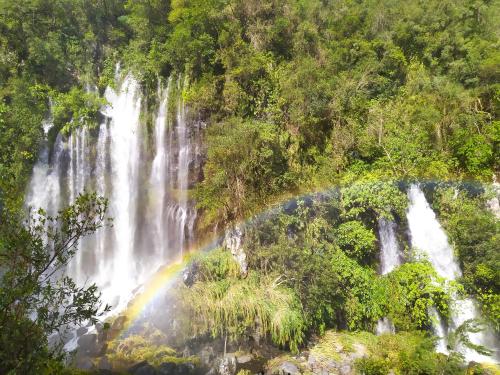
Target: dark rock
190,274
90,346
104,364
85,363
167,368
99,327
142,368
171,368
87,343
82,330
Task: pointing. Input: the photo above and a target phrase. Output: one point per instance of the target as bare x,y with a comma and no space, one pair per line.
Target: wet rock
185,368
167,368
84,363
190,274
82,330
87,343
142,368
99,327
104,364
170,368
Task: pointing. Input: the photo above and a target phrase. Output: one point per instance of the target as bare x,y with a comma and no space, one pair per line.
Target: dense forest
337,106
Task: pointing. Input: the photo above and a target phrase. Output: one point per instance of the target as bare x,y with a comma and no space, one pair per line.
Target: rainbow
159,281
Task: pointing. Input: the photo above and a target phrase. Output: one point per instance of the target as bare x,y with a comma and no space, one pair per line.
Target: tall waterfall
147,187
428,236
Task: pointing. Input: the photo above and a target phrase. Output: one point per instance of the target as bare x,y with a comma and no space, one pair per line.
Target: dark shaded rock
82,330
142,368
104,364
90,346
85,363
87,343
190,274
171,368
99,327
167,368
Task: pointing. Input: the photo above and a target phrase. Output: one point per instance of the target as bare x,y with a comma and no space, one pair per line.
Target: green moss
133,349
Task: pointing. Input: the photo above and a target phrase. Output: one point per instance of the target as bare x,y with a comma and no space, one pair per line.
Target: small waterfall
390,258
44,190
390,255
147,188
428,236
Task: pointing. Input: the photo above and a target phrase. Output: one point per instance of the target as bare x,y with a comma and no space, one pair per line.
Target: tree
37,299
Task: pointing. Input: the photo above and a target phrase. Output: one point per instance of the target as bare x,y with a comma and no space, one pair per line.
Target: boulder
171,368
104,364
142,368
244,358
288,368
87,343
85,363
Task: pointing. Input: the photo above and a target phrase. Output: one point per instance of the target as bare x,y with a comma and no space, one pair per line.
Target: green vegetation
36,300
223,304
302,262
299,96
136,348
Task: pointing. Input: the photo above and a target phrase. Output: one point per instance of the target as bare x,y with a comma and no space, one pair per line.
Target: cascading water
153,216
428,236
390,255
390,258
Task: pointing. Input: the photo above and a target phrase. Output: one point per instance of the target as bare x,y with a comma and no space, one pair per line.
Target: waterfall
390,258
158,177
428,236
147,188
44,188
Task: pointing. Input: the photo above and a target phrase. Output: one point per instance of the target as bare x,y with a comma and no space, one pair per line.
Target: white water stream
428,236
153,216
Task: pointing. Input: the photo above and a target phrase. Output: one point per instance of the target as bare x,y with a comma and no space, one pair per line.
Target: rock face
233,241
288,368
